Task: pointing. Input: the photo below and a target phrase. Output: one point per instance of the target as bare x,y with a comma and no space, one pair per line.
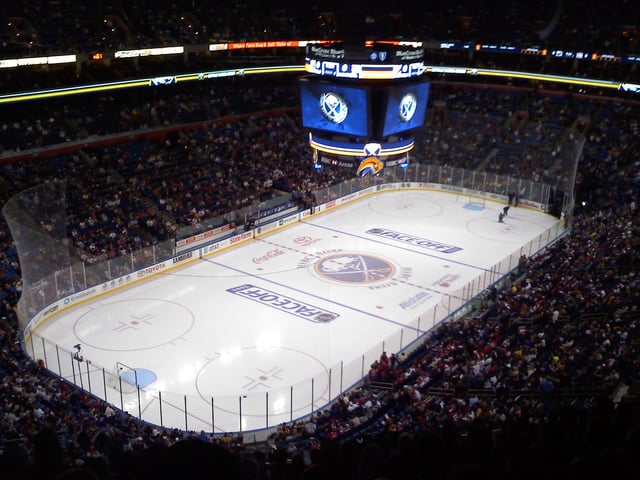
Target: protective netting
52,266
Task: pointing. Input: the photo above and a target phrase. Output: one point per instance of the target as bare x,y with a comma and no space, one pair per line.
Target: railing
261,411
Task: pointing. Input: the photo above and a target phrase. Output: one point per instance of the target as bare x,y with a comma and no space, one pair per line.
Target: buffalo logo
355,268
407,107
372,150
370,166
333,107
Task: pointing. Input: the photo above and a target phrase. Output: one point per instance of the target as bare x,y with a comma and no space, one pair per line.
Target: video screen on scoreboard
405,107
334,107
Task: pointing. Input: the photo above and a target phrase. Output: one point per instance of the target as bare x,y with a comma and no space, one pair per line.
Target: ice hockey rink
272,329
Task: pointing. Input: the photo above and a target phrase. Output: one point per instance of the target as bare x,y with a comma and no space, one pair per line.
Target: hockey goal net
477,201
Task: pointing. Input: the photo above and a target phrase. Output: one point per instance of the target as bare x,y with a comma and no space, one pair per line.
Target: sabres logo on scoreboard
334,107
372,150
408,106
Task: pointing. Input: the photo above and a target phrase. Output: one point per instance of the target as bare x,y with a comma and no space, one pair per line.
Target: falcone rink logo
284,303
413,240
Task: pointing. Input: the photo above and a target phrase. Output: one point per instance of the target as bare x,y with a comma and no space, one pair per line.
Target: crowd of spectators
39,28
505,390
110,25
538,380
80,118
170,181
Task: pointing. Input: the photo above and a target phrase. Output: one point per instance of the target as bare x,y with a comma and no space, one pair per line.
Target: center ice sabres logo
333,107
407,107
355,268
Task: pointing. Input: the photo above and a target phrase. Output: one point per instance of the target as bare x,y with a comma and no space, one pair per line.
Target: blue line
311,295
475,267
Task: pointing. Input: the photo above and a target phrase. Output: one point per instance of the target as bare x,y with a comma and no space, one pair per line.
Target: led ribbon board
361,150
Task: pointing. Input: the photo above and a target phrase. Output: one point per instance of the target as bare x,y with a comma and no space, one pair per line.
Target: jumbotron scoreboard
361,103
